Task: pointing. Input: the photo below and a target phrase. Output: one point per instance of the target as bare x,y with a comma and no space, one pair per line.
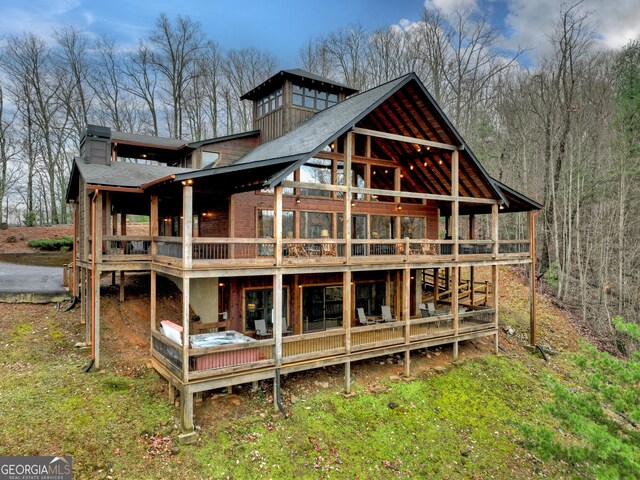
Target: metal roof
226,138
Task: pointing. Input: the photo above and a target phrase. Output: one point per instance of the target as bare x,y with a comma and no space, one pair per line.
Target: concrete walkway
31,284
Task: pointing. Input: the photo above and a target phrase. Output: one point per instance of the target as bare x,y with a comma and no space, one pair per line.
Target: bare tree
176,50
142,81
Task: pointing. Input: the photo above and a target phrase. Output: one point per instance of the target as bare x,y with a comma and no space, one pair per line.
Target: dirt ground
14,239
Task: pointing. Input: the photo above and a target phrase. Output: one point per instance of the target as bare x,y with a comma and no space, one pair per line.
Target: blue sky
283,26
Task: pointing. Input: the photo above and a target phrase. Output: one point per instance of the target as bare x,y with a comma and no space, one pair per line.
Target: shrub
52,244
30,219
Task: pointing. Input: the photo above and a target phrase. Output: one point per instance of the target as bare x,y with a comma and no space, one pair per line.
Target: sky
283,26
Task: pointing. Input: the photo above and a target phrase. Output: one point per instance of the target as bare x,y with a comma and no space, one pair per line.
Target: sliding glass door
321,308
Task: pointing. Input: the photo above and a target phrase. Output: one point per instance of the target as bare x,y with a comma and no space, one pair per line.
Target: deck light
374,172
501,207
386,171
399,207
425,164
298,200
221,284
411,167
440,162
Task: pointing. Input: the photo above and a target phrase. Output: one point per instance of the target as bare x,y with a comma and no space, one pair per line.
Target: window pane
265,223
321,104
413,227
258,304
333,98
315,224
381,226
316,170
321,95
308,102
297,89
297,99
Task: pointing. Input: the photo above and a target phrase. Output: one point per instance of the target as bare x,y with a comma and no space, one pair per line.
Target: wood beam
402,138
186,284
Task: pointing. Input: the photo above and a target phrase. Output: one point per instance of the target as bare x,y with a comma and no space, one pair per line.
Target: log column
532,279
346,322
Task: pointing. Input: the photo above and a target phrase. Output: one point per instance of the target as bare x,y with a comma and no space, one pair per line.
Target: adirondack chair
386,314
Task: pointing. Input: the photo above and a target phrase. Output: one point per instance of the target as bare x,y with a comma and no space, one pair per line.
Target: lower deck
223,366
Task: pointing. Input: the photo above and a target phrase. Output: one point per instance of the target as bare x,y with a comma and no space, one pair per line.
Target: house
338,230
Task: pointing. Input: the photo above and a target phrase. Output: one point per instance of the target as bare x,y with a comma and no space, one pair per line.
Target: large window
357,178
413,227
265,223
316,225
266,229
382,178
370,296
316,170
258,304
210,159
312,98
321,308
382,227
270,103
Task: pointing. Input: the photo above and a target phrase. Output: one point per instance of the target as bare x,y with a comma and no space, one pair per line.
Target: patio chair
432,309
328,250
261,328
386,314
286,330
362,318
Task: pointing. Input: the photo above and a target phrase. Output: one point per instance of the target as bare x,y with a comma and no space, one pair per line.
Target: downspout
532,320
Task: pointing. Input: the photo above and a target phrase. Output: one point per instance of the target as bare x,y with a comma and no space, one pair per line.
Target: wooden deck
235,253
227,365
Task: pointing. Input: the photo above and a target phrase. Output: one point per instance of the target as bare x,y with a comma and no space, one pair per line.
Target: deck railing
262,251
126,245
217,361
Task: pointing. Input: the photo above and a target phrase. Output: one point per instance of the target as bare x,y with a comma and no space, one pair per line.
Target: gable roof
327,125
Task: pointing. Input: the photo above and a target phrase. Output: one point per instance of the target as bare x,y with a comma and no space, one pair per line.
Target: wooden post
277,329
187,226
346,323
153,230
494,280
185,328
436,286
348,153
121,286
494,229
96,260
277,224
532,279
406,316
153,306
472,269
455,210
186,409
455,272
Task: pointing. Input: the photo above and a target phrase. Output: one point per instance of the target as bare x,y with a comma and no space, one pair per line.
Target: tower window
312,98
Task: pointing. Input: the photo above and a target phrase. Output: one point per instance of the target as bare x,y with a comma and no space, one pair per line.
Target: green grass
504,417
462,424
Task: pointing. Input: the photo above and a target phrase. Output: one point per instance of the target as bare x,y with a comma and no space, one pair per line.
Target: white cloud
449,6
615,22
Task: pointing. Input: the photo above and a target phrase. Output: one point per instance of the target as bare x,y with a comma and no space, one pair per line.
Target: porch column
494,229
472,269
455,273
277,224
494,280
187,226
153,228
346,224
346,322
436,286
455,220
277,332
153,301
406,316
532,279
96,256
185,329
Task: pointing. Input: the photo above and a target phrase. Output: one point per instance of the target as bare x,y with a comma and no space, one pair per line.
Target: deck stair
476,293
